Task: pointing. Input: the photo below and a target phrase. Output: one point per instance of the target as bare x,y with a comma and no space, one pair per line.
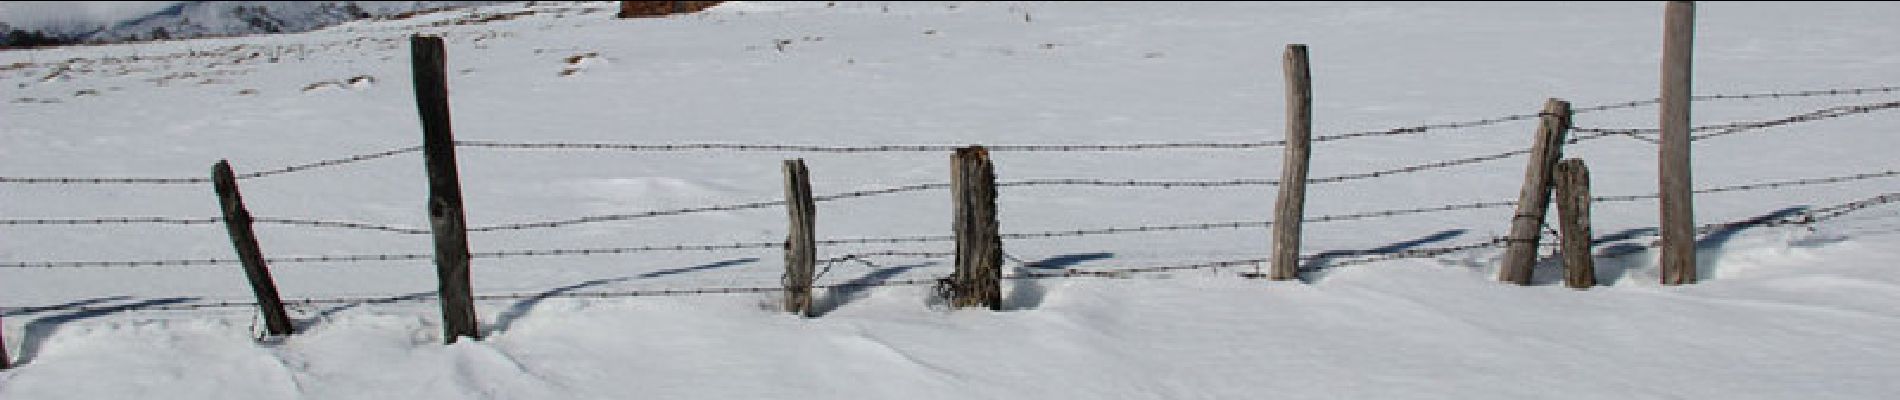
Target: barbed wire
1759,186
1165,184
1809,217
1746,96
1716,130
205,180
938,238
913,148
208,220
1409,130
111,221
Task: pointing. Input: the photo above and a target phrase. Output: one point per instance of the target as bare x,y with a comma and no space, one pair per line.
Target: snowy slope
1793,311
194,19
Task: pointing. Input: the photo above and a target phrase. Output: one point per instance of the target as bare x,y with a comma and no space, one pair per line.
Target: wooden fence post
237,221
1573,216
1678,211
1290,209
800,243
446,220
978,277
1533,200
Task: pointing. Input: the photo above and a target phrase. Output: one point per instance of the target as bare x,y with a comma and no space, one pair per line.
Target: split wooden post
446,219
800,244
1573,216
1290,209
979,273
1533,201
237,221
1678,211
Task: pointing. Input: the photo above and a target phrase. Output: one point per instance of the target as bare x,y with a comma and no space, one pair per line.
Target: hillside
620,179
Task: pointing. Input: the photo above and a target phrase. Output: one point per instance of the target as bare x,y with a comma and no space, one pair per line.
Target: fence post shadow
36,332
838,296
1029,293
1314,269
1711,243
522,308
325,314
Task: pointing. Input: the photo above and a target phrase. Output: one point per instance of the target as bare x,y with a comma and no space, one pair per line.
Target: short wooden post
978,277
800,243
1573,216
1678,211
446,219
237,221
1290,209
1533,201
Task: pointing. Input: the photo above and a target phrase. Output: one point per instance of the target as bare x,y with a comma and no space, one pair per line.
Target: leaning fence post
1678,211
1533,201
800,243
978,277
1573,216
237,221
1291,206
445,189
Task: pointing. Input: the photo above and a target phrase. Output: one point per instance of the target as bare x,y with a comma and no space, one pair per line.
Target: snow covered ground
1783,312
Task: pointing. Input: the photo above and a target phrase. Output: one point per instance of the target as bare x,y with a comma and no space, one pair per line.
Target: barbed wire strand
205,180
936,238
944,148
1368,256
1716,130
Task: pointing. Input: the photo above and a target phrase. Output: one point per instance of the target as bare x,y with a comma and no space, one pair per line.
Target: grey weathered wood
978,277
1533,200
446,219
1573,216
237,221
800,244
1678,211
1290,209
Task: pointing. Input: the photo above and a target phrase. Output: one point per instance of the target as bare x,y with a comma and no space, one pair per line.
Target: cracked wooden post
978,277
800,243
1678,210
1533,200
1290,209
237,221
1573,216
446,219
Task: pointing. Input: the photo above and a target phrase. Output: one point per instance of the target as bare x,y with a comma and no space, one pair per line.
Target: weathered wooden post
1533,200
1573,216
1678,210
446,220
237,221
800,243
979,273
1290,209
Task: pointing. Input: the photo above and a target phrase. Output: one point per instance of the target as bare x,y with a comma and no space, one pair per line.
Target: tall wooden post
1290,209
446,220
979,274
1678,211
1533,200
800,244
1573,216
237,221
